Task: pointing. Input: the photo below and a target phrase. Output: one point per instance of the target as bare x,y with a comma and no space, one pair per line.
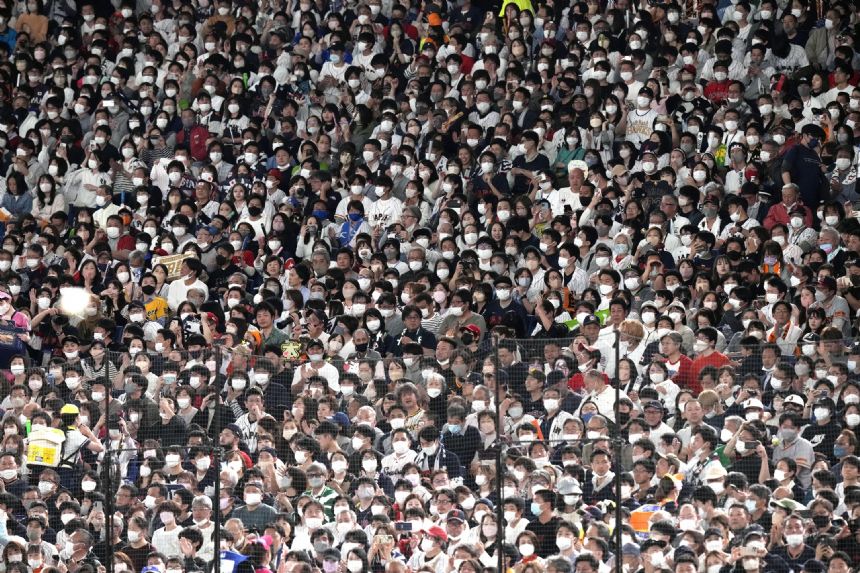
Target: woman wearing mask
843,175
99,366
773,262
571,149
309,234
599,136
657,376
48,200
234,120
851,416
429,178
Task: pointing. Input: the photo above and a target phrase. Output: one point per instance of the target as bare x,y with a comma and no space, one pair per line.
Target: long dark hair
20,183
43,201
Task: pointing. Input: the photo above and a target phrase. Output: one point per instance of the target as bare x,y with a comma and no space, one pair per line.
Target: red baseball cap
436,531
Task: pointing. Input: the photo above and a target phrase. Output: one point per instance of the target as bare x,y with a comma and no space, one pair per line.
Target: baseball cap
456,515
473,329
618,171
655,404
788,504
590,319
577,164
436,531
753,403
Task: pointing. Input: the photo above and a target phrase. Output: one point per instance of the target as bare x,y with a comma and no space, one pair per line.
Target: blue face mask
535,507
320,214
355,217
813,143
839,451
586,417
454,428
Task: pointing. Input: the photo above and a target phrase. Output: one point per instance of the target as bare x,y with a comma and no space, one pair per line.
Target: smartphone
750,446
748,552
383,539
403,526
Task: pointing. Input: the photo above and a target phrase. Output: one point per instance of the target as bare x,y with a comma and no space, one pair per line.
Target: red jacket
780,214
684,377
196,141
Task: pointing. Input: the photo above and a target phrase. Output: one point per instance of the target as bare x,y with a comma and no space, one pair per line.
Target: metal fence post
500,507
108,485
216,454
619,448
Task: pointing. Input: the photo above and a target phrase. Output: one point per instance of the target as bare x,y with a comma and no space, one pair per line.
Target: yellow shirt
521,4
156,309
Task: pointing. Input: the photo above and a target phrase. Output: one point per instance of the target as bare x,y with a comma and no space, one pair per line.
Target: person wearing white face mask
434,455
701,463
431,552
555,417
793,551
87,183
255,513
740,220
167,536
401,454
639,123
49,198
843,175
18,319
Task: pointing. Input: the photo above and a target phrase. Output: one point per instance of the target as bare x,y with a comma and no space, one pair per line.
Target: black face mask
820,521
148,289
220,260
255,211
361,347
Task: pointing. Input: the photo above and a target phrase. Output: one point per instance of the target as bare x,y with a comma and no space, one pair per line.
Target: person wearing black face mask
822,512
802,165
255,210
224,267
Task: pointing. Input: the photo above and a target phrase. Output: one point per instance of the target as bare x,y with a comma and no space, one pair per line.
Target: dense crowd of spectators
355,285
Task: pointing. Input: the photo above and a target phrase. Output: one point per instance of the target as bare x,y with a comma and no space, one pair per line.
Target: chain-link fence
491,422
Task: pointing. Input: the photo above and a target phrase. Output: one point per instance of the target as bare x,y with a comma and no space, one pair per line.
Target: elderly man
781,212
598,390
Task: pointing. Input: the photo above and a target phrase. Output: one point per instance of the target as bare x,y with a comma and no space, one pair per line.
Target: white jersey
640,125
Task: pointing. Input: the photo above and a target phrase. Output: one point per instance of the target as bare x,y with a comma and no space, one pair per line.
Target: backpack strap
68,459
